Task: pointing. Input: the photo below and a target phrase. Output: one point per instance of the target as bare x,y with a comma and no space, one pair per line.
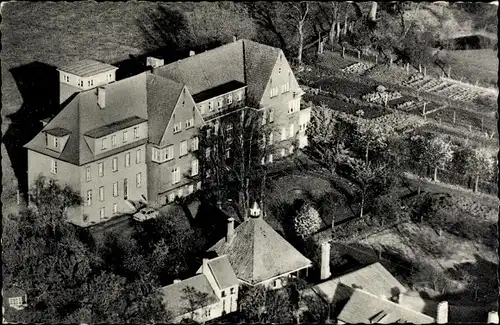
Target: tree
366,177
417,145
372,135
196,300
233,154
51,202
299,13
438,154
325,138
479,163
307,221
265,14
261,305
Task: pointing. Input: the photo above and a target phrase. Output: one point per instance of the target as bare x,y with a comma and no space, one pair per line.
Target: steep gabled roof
162,97
364,307
176,299
260,60
258,253
244,61
223,272
124,99
373,278
208,69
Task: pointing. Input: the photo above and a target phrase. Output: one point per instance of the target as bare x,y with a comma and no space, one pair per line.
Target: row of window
232,291
89,82
275,91
114,165
209,106
180,192
294,106
188,124
104,141
166,154
138,184
266,116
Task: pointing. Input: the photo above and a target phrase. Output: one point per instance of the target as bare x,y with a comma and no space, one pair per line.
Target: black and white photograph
249,162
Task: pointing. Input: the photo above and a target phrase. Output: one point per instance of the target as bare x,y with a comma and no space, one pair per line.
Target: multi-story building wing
97,145
174,122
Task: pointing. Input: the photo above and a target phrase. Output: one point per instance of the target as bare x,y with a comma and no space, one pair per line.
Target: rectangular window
170,152
292,130
138,180
201,107
113,140
283,133
270,158
271,115
136,132
101,193
232,291
16,301
138,156
207,312
103,147
177,127
127,159
89,197
88,175
210,106
115,189
183,149
53,166
220,102
155,152
114,165
274,91
264,117
229,99
56,142
190,123
102,213
194,167
125,137
293,106
216,127
285,87
194,144
271,138
100,169
115,208
240,95
176,175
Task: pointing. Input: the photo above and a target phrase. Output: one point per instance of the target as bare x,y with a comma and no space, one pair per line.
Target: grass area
327,200
344,86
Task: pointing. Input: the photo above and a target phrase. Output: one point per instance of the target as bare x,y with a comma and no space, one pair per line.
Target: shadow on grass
38,84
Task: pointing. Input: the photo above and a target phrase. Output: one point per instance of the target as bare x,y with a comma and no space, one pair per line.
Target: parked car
146,214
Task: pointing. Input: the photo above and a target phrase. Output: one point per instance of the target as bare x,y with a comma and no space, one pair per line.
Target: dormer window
56,142
136,132
219,102
230,99
240,95
177,127
103,146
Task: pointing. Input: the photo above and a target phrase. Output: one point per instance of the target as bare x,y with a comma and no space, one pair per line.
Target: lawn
326,199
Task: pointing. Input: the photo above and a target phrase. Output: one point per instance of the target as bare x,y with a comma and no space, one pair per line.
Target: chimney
191,53
235,38
101,97
399,298
325,261
204,266
493,317
255,210
177,281
230,230
154,62
442,313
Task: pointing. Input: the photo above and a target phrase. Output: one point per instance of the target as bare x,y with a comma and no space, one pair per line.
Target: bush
386,209
307,221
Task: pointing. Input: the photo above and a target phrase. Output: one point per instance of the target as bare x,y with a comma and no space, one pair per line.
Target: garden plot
463,119
358,68
342,106
343,86
381,96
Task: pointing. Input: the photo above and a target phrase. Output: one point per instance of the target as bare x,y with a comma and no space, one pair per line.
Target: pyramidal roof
258,253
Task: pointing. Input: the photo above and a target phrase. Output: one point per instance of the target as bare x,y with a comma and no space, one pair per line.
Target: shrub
307,221
386,209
